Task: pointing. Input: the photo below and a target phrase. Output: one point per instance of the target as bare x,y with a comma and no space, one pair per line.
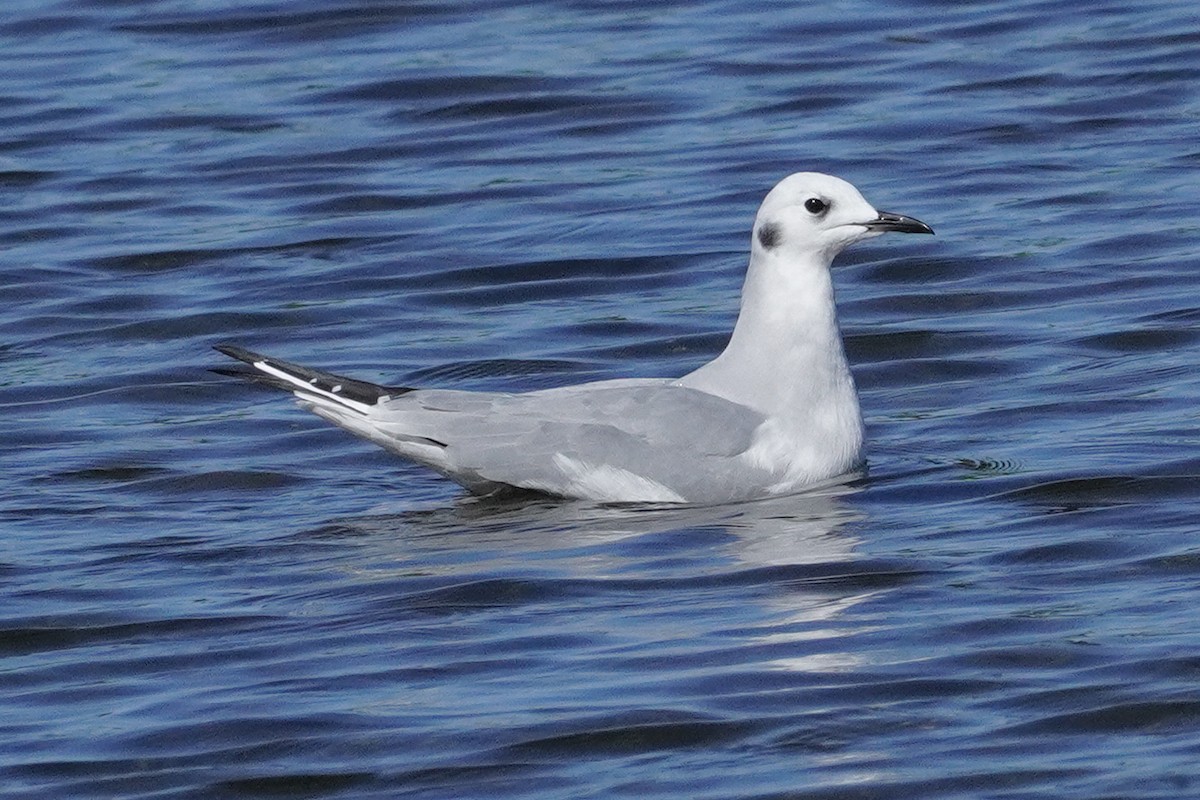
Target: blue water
207,593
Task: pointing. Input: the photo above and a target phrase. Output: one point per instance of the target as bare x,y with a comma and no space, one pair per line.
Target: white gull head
785,357
809,215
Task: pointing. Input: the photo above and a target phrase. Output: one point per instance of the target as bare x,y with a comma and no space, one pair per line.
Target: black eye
815,205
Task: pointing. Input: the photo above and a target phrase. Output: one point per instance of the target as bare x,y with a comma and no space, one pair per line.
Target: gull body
777,410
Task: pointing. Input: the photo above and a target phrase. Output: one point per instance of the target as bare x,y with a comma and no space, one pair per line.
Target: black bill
898,223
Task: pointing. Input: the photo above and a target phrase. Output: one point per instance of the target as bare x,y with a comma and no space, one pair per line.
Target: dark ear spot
769,235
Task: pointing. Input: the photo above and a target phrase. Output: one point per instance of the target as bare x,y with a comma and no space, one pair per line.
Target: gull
775,412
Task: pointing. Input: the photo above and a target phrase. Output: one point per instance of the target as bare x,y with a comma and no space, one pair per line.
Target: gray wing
609,441
605,441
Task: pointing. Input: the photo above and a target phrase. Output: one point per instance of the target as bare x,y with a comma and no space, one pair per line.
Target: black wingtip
240,353
251,374
350,388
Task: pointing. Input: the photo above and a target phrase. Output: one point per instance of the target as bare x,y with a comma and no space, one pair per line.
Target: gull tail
321,389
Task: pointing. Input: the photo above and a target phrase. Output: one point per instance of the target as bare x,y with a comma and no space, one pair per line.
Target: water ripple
207,593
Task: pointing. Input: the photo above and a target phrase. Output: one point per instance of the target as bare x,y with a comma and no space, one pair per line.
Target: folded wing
648,440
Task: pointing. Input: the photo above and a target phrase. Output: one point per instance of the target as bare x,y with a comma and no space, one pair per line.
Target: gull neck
785,356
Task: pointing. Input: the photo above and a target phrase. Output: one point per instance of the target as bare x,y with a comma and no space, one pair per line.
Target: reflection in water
789,561
798,529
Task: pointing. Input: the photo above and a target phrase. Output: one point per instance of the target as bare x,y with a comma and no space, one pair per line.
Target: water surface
205,592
